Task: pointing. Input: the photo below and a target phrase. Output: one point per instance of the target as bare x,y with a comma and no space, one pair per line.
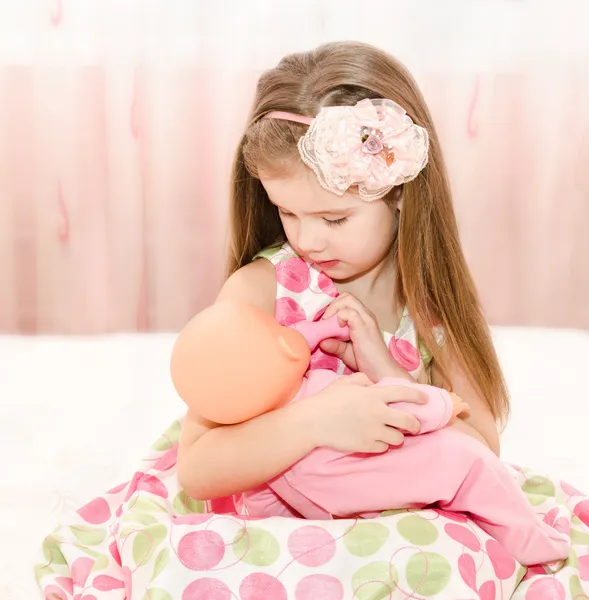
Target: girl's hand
366,351
352,414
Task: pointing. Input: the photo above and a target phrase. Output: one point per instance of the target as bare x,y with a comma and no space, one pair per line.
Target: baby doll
233,362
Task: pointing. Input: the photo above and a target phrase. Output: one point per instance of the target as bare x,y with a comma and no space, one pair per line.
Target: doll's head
233,361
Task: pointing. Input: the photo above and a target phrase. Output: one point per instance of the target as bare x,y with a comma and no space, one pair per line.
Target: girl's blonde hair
432,277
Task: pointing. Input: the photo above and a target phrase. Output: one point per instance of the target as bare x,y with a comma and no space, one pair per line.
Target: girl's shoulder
254,283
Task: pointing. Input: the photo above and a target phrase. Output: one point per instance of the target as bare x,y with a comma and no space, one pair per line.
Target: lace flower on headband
374,145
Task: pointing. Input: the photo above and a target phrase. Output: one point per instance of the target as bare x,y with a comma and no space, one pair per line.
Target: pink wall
113,183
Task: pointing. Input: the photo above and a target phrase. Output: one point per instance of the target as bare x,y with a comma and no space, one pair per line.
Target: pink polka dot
546,588
106,583
153,485
503,564
487,591
567,488
326,285
207,588
293,274
259,586
118,488
201,550
463,536
114,552
320,360
452,516
550,517
405,353
468,571
95,512
81,570
52,592
311,546
584,567
167,461
128,579
563,525
288,311
325,587
66,583
582,511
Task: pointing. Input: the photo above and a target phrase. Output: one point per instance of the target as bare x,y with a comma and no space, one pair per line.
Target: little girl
340,204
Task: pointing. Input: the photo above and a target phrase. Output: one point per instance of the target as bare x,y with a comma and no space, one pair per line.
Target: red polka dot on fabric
95,512
293,274
463,536
504,565
289,311
546,588
405,353
324,587
584,567
581,511
311,546
207,588
260,586
326,285
201,550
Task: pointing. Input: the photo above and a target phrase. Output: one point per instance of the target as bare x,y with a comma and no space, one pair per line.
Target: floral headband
374,145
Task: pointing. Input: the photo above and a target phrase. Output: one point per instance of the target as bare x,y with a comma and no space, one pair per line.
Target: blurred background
119,118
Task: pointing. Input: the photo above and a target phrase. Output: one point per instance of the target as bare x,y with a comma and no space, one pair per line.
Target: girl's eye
284,214
335,222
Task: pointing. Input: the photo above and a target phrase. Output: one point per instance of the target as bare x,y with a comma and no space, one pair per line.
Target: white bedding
76,414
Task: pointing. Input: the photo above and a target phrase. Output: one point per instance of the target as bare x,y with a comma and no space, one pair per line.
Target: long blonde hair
432,277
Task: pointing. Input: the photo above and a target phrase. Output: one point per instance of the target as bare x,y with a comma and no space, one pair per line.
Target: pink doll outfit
438,466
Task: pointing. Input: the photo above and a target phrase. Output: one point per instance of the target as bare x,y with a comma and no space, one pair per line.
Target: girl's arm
216,461
480,423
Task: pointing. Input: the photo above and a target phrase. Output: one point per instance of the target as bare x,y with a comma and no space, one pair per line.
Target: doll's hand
366,351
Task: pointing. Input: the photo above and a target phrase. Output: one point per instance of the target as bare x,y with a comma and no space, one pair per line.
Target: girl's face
344,236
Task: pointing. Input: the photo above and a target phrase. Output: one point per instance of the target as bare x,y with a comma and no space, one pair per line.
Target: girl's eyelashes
335,222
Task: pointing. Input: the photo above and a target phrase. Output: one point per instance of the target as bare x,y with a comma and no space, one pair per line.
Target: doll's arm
441,408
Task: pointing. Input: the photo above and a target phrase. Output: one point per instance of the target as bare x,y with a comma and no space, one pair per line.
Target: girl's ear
398,197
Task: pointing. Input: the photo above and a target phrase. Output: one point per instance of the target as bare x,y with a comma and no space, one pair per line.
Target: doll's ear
292,351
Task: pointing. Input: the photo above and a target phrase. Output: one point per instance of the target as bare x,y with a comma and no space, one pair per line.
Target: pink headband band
374,145
287,116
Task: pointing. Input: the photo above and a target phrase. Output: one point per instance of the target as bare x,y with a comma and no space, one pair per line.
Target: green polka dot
256,547
391,513
576,587
428,573
539,486
417,530
573,560
185,505
146,541
156,594
579,537
375,581
168,438
365,539
89,536
520,575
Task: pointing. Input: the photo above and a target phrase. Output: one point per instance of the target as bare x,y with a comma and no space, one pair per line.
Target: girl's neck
375,285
